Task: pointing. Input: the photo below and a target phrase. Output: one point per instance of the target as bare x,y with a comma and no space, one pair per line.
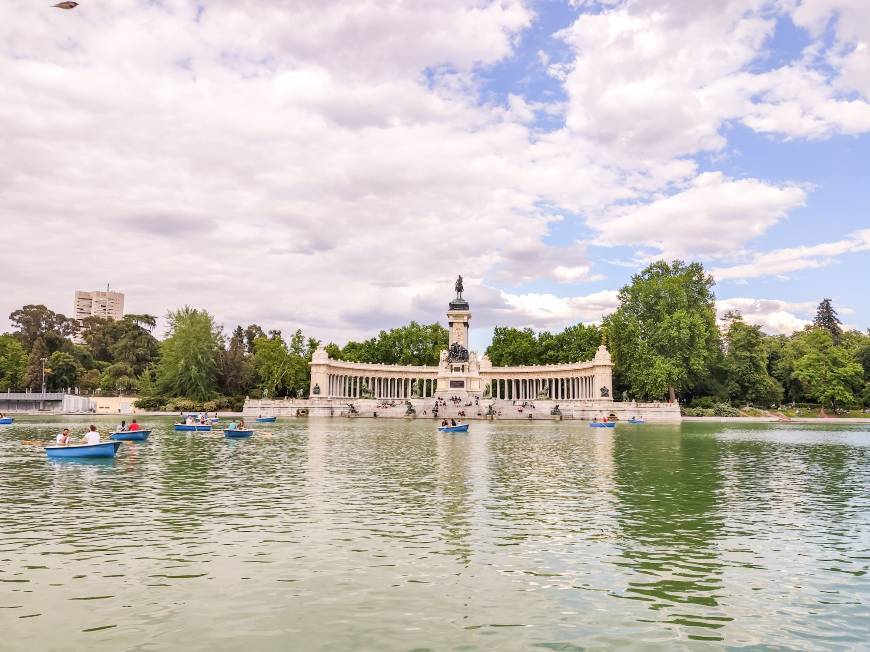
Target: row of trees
666,342
195,366
664,337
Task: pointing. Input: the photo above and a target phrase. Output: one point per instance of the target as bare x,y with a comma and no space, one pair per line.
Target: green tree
746,365
236,371
414,344
513,346
33,322
826,317
252,334
89,381
128,340
188,365
33,374
61,371
663,335
13,363
272,364
831,376
118,377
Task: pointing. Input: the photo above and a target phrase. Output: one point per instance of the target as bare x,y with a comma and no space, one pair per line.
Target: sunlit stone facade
460,373
463,385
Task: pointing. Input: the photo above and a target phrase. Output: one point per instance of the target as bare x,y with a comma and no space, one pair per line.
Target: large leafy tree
272,364
414,344
128,340
831,376
746,365
236,369
33,374
188,364
35,321
663,335
514,346
62,370
826,317
13,362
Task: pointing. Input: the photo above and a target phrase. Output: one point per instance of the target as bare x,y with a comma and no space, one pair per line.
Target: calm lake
387,535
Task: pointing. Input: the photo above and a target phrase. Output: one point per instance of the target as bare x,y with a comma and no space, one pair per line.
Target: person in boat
452,422
123,426
241,424
133,427
594,419
189,420
444,423
232,425
63,438
91,436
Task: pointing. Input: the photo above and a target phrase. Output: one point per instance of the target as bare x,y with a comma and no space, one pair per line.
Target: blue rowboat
183,427
238,434
602,424
266,419
103,449
460,428
636,421
130,435
6,421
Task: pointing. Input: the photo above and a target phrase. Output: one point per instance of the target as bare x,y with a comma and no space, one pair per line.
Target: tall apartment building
99,304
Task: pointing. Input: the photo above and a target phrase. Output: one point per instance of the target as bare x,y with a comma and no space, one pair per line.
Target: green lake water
387,535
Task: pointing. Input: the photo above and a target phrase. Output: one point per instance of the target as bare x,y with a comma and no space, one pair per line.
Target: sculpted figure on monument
459,287
605,393
457,353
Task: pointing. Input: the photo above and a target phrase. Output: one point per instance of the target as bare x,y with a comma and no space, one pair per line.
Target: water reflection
669,492
382,534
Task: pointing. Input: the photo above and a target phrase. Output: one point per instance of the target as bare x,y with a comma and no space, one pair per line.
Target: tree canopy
188,364
414,344
514,346
663,335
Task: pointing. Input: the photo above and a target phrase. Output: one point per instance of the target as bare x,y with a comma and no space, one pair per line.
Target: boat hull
183,427
131,435
602,424
636,422
103,449
266,419
238,434
7,421
462,428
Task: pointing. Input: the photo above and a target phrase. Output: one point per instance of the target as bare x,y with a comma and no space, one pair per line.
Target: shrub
181,405
153,403
725,410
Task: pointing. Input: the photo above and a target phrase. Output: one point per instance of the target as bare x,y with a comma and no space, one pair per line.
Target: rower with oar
63,438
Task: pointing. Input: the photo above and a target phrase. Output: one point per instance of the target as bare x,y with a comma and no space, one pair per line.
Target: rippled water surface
339,534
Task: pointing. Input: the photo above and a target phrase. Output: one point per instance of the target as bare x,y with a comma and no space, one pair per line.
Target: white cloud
775,317
548,310
792,259
714,216
333,165
660,80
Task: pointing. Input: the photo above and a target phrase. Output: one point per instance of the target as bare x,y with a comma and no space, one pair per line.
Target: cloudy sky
333,165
